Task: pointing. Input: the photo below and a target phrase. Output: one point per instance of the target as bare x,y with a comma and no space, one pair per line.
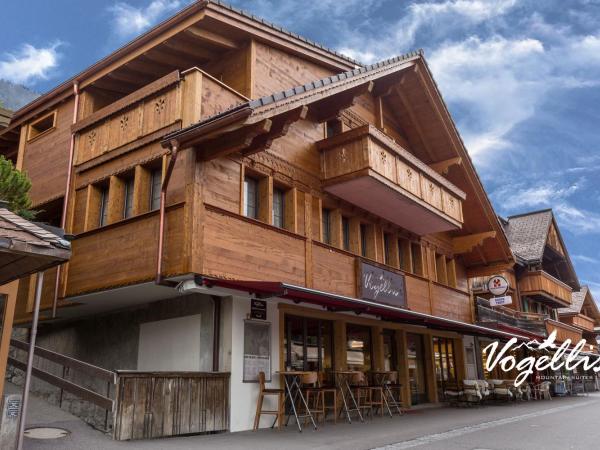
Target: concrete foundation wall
110,341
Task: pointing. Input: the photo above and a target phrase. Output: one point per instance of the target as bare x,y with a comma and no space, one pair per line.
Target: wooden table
348,400
382,378
293,391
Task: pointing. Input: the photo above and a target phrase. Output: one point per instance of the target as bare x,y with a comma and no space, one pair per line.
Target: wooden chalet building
543,281
583,314
218,159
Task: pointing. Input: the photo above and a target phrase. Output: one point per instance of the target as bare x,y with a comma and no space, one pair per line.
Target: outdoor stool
310,385
259,402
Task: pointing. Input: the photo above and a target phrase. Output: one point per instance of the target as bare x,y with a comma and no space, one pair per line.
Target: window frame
278,193
153,172
31,126
250,180
128,196
326,225
103,213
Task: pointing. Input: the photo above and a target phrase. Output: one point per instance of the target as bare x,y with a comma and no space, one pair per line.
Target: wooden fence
159,404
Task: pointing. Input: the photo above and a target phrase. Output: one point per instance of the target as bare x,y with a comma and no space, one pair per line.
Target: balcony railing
563,331
149,113
486,315
545,288
580,321
367,168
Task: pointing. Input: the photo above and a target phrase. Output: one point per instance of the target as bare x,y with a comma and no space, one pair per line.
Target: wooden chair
310,385
280,393
323,389
364,394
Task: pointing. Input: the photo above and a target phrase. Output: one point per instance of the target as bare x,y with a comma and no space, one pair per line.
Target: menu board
257,350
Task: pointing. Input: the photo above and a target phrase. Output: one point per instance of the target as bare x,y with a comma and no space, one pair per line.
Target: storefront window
445,367
416,368
308,343
358,349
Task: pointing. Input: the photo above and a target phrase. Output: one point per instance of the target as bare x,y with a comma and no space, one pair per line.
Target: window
278,208
250,197
363,239
333,127
128,203
41,125
155,187
326,219
346,233
308,343
405,255
417,259
443,351
358,347
103,206
386,248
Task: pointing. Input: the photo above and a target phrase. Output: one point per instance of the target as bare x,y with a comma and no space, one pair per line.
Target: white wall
170,345
243,396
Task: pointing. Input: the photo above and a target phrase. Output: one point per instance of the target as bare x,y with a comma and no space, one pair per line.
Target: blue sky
521,78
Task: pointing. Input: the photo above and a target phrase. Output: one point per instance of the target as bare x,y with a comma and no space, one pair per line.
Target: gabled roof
578,300
527,234
196,8
270,105
26,247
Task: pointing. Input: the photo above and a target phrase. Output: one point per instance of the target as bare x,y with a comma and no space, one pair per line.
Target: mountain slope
14,96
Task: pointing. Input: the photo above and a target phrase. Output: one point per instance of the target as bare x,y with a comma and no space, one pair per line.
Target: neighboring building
583,314
8,140
543,280
334,176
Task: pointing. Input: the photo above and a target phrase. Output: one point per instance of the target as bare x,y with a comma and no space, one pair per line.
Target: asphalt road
563,423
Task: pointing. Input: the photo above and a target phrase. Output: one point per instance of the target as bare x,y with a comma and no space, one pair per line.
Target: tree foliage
14,189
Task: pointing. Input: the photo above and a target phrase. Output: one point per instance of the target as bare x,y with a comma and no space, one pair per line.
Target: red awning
334,302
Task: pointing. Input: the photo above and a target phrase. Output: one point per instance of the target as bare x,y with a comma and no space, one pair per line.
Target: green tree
14,189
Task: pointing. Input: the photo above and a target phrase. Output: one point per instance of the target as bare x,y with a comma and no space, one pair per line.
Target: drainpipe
216,331
163,197
32,337
63,219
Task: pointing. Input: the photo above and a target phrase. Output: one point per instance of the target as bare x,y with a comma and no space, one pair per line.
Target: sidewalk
417,425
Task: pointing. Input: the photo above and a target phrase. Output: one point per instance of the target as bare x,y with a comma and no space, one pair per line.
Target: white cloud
29,63
542,195
585,259
576,220
130,21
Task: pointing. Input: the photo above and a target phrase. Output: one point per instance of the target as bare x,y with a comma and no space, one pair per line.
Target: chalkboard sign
382,286
257,350
258,309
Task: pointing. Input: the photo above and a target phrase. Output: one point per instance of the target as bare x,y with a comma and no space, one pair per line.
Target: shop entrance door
445,365
417,377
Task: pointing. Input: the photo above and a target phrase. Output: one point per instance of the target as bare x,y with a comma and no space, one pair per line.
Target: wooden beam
414,121
181,46
170,58
464,244
135,78
330,107
280,127
212,38
442,167
235,141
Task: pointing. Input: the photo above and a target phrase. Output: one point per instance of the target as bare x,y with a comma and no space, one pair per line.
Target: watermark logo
564,356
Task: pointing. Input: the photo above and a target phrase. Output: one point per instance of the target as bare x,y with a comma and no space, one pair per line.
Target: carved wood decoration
465,244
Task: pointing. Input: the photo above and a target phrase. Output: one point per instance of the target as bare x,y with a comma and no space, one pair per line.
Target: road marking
431,438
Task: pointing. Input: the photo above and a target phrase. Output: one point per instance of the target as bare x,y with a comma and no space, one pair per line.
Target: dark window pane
278,207
250,197
155,185
386,248
358,349
326,226
128,203
363,239
346,232
103,206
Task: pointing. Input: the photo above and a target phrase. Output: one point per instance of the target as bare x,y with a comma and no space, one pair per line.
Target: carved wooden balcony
545,288
563,331
580,321
369,169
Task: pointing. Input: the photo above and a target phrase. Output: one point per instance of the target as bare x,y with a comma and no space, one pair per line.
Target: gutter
63,219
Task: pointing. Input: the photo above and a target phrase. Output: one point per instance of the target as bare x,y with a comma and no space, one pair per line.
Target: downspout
216,332
63,219
163,197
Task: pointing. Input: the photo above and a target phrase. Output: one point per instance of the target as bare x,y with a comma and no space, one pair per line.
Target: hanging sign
501,301
258,309
380,285
498,285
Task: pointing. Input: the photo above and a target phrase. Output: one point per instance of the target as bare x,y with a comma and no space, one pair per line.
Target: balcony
584,323
563,331
493,317
144,116
367,168
543,287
